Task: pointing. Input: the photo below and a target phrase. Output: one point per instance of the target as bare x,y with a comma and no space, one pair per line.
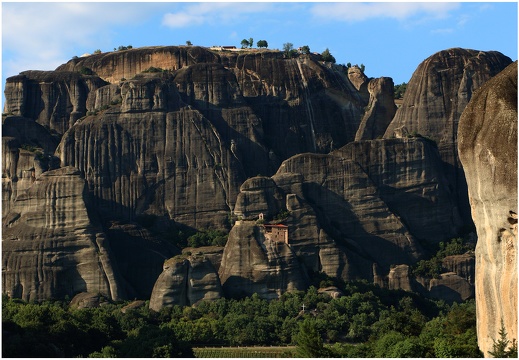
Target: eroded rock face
50,246
451,288
488,152
153,163
380,110
410,179
436,95
253,264
185,281
55,100
359,208
26,149
177,144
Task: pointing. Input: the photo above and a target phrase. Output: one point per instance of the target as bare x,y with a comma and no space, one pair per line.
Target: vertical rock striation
185,281
253,264
50,246
55,100
436,95
488,152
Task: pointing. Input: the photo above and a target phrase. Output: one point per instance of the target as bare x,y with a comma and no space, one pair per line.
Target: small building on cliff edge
278,232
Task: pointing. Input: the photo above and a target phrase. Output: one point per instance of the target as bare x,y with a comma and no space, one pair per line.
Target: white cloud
354,12
41,35
213,13
180,20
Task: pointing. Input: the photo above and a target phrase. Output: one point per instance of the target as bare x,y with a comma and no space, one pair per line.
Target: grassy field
245,352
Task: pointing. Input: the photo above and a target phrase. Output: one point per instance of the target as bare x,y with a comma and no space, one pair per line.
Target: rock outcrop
185,281
436,95
187,137
252,264
51,248
488,151
53,99
451,287
367,204
380,110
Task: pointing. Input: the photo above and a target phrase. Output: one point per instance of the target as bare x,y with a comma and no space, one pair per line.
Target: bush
432,268
399,90
327,56
208,238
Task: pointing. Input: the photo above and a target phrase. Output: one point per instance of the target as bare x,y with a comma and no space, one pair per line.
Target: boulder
86,300
488,151
451,287
185,280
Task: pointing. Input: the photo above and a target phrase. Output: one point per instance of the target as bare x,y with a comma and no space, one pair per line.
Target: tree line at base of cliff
367,322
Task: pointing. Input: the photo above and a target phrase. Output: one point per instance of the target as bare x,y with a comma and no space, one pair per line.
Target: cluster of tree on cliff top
366,322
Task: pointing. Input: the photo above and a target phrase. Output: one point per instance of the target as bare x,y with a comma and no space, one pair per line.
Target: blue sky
389,38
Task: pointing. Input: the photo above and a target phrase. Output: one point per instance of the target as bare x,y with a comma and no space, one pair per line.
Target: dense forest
366,322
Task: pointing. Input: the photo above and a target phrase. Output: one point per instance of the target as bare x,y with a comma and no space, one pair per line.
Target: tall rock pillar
487,137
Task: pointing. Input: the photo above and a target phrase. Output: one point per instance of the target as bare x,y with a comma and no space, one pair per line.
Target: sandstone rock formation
360,206
488,151
185,281
451,287
53,99
253,264
380,110
436,95
189,137
51,248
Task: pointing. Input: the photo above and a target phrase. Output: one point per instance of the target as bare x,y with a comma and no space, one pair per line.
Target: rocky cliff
436,95
372,202
189,138
488,151
50,245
